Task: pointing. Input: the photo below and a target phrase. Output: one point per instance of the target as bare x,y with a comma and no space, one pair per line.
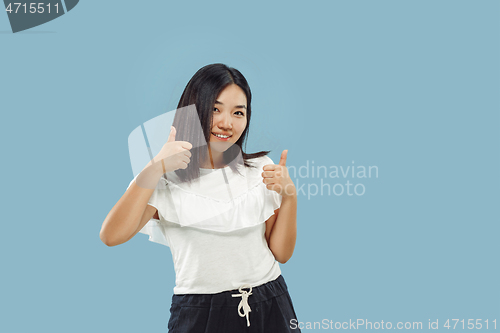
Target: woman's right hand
174,154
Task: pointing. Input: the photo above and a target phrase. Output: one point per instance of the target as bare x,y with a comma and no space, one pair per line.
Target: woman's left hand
276,177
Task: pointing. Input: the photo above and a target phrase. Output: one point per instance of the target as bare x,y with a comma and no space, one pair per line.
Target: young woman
228,217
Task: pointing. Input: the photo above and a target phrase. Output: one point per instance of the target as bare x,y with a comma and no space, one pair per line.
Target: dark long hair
202,91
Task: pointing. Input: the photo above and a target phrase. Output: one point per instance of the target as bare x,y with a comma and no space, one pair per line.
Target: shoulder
267,160
259,162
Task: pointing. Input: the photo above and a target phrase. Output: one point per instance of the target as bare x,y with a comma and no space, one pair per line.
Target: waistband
240,298
260,293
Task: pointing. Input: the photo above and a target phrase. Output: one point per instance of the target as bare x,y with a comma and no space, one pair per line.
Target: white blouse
215,228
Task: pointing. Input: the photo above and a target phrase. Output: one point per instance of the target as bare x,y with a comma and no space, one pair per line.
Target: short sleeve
154,227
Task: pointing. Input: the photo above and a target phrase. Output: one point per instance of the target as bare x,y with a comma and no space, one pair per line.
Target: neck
214,160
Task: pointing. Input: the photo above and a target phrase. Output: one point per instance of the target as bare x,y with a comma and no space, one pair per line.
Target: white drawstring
244,302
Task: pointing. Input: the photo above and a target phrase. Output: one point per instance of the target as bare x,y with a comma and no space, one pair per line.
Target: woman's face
229,118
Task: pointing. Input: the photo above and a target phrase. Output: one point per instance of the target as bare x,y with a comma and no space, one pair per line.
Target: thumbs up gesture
276,177
173,155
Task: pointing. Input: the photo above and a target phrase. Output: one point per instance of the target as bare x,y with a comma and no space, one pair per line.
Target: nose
224,121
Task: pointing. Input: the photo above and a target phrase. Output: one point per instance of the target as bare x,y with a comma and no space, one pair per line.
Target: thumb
283,158
171,136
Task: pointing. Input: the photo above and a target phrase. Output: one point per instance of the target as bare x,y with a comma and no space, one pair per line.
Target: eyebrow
237,106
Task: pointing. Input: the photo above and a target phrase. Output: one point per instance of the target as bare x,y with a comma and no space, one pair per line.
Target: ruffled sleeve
219,200
154,227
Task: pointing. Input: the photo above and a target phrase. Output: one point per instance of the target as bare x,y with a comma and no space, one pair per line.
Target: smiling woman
223,100
220,210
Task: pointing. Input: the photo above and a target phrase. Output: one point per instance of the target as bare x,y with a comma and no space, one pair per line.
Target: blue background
411,87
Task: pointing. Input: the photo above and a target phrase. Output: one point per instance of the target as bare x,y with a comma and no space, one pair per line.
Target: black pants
270,305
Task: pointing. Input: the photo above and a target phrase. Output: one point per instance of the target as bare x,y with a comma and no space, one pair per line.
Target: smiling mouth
221,136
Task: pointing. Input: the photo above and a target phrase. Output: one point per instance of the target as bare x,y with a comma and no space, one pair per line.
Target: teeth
221,136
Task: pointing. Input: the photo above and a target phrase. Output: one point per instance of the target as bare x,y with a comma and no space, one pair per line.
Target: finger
283,158
274,187
186,145
269,167
183,165
268,181
268,174
182,162
186,159
183,153
179,149
171,136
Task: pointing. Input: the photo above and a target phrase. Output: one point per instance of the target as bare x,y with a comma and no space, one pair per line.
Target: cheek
242,126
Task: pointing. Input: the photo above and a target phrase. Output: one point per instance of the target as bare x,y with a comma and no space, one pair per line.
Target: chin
220,146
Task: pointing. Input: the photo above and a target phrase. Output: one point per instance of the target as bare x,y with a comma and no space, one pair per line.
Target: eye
241,113
215,109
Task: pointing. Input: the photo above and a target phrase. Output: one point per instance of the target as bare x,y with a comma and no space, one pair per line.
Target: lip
220,139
